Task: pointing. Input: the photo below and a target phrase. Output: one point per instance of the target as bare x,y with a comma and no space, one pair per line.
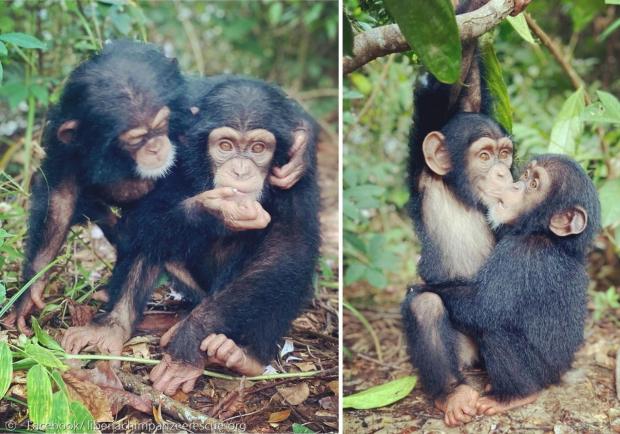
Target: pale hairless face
241,159
488,167
515,199
150,146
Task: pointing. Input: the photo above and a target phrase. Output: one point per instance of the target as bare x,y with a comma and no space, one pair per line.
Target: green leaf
347,35
3,50
42,356
40,93
376,278
430,29
275,13
39,390
43,338
612,2
2,293
81,418
380,396
6,368
520,25
22,40
60,418
609,30
568,125
610,104
584,11
354,272
1,73
301,429
501,110
361,82
610,205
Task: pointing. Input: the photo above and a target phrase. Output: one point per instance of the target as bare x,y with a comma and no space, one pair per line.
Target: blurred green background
380,247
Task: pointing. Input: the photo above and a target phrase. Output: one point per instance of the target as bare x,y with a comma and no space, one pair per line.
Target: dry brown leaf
141,350
334,387
90,395
329,403
157,414
296,394
81,314
305,366
279,416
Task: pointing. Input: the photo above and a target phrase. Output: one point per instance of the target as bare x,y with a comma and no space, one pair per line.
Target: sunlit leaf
568,125
610,205
430,29
3,50
520,25
354,272
39,390
60,417
43,338
501,109
6,368
301,429
382,395
22,40
2,293
43,356
81,418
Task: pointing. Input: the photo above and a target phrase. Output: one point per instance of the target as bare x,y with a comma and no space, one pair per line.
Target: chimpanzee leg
183,281
432,342
130,287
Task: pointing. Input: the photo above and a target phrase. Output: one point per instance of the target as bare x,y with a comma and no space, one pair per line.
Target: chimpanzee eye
484,156
504,154
225,145
534,184
258,147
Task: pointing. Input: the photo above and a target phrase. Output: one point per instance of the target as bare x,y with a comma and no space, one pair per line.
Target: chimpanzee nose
153,145
241,168
500,173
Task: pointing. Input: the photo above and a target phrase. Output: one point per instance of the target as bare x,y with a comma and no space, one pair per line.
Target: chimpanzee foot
225,352
107,339
489,406
459,407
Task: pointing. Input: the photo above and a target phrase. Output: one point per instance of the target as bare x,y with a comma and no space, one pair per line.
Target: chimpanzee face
488,163
149,145
241,159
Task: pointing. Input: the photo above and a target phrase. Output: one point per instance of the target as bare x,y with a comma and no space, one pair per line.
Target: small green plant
605,302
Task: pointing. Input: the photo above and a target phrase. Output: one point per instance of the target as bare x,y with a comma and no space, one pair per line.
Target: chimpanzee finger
101,295
236,358
22,326
205,342
220,193
225,349
189,385
215,344
160,377
10,320
172,386
289,181
35,296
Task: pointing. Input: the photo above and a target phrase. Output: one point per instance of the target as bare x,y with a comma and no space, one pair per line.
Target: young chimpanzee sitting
113,134
254,282
526,306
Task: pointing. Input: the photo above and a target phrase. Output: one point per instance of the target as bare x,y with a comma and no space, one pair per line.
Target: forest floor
298,404
585,402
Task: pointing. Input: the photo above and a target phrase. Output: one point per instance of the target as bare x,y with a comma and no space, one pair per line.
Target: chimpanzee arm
52,207
256,308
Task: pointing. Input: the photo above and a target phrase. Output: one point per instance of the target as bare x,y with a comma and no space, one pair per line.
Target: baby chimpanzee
254,282
526,306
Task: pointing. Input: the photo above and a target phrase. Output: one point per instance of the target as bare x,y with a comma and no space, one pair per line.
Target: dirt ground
585,402
280,405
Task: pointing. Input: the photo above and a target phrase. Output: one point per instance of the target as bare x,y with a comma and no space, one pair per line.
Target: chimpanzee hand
237,213
287,176
106,338
169,375
520,6
223,351
27,304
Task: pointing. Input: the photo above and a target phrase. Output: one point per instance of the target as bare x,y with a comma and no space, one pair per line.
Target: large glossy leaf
22,40
380,396
39,390
610,205
6,368
568,125
501,109
430,29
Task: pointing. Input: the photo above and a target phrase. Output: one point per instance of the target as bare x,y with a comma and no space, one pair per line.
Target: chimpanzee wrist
185,344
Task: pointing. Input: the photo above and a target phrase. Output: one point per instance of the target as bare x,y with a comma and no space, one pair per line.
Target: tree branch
384,40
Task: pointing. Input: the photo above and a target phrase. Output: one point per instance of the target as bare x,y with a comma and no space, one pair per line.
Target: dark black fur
255,281
102,93
526,307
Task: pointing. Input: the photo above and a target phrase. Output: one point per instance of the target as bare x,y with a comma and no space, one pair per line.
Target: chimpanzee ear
66,132
435,153
570,222
194,110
